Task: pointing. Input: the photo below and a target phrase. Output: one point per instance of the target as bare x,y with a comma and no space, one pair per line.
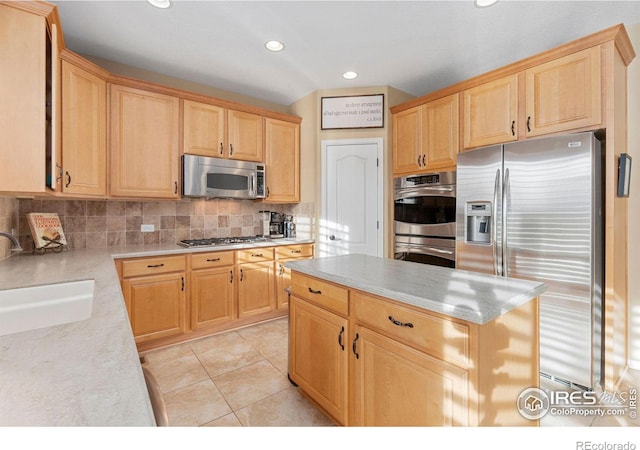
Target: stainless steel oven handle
432,191
423,250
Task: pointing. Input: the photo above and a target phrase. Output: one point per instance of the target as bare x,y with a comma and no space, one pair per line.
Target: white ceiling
414,46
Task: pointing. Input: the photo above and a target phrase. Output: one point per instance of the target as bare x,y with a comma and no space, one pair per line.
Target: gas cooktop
221,241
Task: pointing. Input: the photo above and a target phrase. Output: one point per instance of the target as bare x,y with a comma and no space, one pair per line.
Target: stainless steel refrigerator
533,210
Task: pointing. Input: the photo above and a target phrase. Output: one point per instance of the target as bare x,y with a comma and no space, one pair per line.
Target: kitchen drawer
255,255
328,295
211,259
294,251
438,336
152,266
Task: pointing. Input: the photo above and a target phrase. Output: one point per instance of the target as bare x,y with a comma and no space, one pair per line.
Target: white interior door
351,218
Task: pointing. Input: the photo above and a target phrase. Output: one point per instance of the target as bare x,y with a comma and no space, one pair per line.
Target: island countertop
471,296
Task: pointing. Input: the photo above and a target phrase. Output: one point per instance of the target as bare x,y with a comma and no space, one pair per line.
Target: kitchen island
379,342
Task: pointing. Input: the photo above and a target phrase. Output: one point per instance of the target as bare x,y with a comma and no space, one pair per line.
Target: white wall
634,200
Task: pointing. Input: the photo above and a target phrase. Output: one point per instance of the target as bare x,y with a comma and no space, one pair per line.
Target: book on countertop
46,229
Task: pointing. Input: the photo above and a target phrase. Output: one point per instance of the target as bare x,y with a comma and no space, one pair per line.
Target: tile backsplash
112,223
8,221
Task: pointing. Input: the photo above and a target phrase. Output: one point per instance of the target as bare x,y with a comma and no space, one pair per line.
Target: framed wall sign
624,175
363,111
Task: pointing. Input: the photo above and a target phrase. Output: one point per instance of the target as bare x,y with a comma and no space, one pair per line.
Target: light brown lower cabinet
256,288
156,305
174,298
318,358
371,361
212,290
396,385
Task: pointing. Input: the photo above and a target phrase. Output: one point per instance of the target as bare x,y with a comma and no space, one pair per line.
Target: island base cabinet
318,356
396,385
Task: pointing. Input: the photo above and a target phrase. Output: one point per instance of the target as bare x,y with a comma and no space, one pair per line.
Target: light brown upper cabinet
84,129
282,140
204,129
144,143
28,99
490,113
564,94
407,141
245,134
219,132
426,137
441,140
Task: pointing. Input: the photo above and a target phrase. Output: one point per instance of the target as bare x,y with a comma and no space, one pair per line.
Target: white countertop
85,373
470,296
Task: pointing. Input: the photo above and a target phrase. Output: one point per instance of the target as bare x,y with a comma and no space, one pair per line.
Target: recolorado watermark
534,403
589,445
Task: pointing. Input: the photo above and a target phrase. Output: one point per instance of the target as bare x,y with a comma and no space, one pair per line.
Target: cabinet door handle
281,273
267,191
419,161
231,276
213,259
68,179
513,128
354,346
400,324
241,275
175,187
221,148
340,338
529,123
182,283
423,163
151,266
230,149
313,291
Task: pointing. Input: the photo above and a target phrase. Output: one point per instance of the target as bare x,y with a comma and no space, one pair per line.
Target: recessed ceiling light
162,4
350,75
485,3
274,46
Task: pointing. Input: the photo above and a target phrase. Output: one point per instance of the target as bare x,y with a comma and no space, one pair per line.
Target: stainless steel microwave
222,178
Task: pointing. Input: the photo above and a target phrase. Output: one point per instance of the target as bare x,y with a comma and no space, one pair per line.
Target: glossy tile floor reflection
237,378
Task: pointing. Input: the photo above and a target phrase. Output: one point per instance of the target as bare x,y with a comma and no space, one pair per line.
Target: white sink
29,308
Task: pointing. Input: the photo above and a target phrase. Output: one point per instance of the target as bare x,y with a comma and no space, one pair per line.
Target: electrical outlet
147,227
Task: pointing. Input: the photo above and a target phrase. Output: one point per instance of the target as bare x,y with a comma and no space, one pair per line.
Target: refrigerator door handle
505,212
497,266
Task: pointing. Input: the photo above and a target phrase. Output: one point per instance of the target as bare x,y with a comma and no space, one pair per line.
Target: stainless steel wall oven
425,218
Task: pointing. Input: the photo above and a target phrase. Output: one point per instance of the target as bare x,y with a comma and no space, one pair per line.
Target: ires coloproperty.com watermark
534,403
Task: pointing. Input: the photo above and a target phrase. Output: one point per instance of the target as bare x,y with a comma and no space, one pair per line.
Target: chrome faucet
15,244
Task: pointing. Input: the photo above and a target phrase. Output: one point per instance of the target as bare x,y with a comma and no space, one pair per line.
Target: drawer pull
257,255
313,291
151,266
296,251
400,324
340,339
213,259
354,346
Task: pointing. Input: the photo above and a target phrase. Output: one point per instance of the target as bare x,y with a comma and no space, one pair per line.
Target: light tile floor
239,378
